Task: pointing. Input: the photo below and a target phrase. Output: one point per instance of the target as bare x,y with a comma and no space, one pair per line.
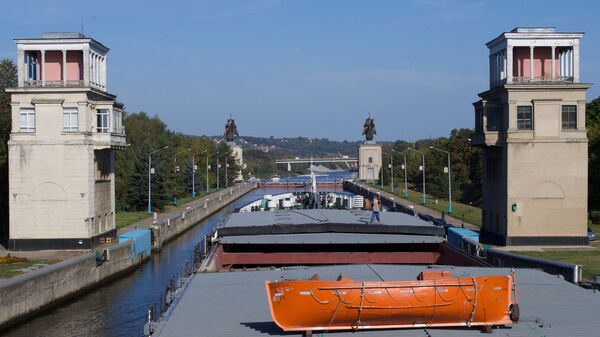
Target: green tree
137,194
593,128
8,79
191,176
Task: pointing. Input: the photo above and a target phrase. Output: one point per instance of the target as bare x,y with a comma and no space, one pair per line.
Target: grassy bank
126,218
12,266
469,213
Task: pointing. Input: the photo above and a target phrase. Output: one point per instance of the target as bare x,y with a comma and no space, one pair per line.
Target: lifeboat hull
302,305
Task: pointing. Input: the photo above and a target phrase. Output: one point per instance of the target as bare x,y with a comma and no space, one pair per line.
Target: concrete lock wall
27,294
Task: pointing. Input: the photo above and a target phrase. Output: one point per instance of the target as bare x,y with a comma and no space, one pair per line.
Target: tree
593,127
8,79
191,177
137,193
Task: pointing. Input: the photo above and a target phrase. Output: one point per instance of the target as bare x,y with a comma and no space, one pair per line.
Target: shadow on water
119,307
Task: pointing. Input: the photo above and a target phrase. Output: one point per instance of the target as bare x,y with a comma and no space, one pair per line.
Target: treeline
465,166
305,147
173,157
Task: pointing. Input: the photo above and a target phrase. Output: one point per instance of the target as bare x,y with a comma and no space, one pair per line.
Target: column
86,67
531,63
576,61
509,64
553,66
43,68
22,71
105,72
64,67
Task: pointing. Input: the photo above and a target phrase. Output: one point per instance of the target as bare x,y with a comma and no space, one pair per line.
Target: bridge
349,161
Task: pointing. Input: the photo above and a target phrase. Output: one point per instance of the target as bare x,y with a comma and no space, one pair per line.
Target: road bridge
349,161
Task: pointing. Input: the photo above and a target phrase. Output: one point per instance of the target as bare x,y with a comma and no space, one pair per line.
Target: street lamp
405,193
424,200
150,177
193,176
175,171
207,167
391,167
449,178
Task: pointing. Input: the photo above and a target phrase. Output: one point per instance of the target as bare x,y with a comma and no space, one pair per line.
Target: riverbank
33,292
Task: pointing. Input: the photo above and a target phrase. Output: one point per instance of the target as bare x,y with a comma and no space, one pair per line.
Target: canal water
119,308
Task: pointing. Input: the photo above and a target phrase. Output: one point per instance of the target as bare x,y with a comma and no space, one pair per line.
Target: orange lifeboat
436,299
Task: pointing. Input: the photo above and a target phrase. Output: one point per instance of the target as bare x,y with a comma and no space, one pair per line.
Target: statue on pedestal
230,130
369,128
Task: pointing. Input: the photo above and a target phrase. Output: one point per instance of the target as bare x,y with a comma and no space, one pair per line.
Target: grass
470,214
8,270
126,218
588,259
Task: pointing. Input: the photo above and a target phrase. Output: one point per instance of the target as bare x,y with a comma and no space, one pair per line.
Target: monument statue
230,130
369,128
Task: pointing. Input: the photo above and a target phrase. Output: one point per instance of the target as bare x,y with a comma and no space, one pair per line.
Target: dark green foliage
465,166
8,79
191,177
595,217
593,127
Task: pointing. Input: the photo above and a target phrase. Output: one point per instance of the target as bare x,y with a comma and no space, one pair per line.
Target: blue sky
302,68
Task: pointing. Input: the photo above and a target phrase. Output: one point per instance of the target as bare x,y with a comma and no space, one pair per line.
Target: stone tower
65,129
530,125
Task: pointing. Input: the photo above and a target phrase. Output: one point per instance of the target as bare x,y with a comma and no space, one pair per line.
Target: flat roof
329,238
233,304
323,221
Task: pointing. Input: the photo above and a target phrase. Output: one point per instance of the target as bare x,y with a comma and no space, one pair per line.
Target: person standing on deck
376,208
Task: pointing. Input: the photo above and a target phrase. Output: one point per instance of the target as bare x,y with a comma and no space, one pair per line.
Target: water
119,308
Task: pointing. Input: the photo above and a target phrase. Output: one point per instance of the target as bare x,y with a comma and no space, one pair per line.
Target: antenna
81,26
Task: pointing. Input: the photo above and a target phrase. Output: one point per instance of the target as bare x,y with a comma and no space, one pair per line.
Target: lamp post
391,167
449,178
207,167
405,193
193,176
150,177
424,200
217,157
175,171
226,177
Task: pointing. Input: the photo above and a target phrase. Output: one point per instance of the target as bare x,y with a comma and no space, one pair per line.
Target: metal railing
52,84
542,79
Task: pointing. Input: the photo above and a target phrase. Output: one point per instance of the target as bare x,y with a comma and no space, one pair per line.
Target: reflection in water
119,308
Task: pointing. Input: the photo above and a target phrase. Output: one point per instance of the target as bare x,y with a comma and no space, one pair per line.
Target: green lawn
589,259
125,219
471,214
8,270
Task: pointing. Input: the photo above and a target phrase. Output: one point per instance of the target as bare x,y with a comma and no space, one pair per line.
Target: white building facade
65,129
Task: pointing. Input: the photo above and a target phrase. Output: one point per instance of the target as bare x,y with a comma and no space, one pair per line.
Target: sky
302,68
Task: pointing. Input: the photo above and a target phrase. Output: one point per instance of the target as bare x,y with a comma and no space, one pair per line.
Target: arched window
370,160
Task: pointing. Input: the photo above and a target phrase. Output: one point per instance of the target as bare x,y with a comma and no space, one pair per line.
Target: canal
119,308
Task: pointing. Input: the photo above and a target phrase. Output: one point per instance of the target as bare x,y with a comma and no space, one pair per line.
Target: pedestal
369,161
239,155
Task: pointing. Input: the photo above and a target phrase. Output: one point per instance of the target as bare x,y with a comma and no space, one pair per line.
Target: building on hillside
530,125
65,129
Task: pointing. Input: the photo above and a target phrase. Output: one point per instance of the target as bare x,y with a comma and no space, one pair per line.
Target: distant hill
298,146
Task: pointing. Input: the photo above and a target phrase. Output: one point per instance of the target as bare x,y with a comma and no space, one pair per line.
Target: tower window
370,160
70,120
27,120
569,117
102,120
492,119
524,118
